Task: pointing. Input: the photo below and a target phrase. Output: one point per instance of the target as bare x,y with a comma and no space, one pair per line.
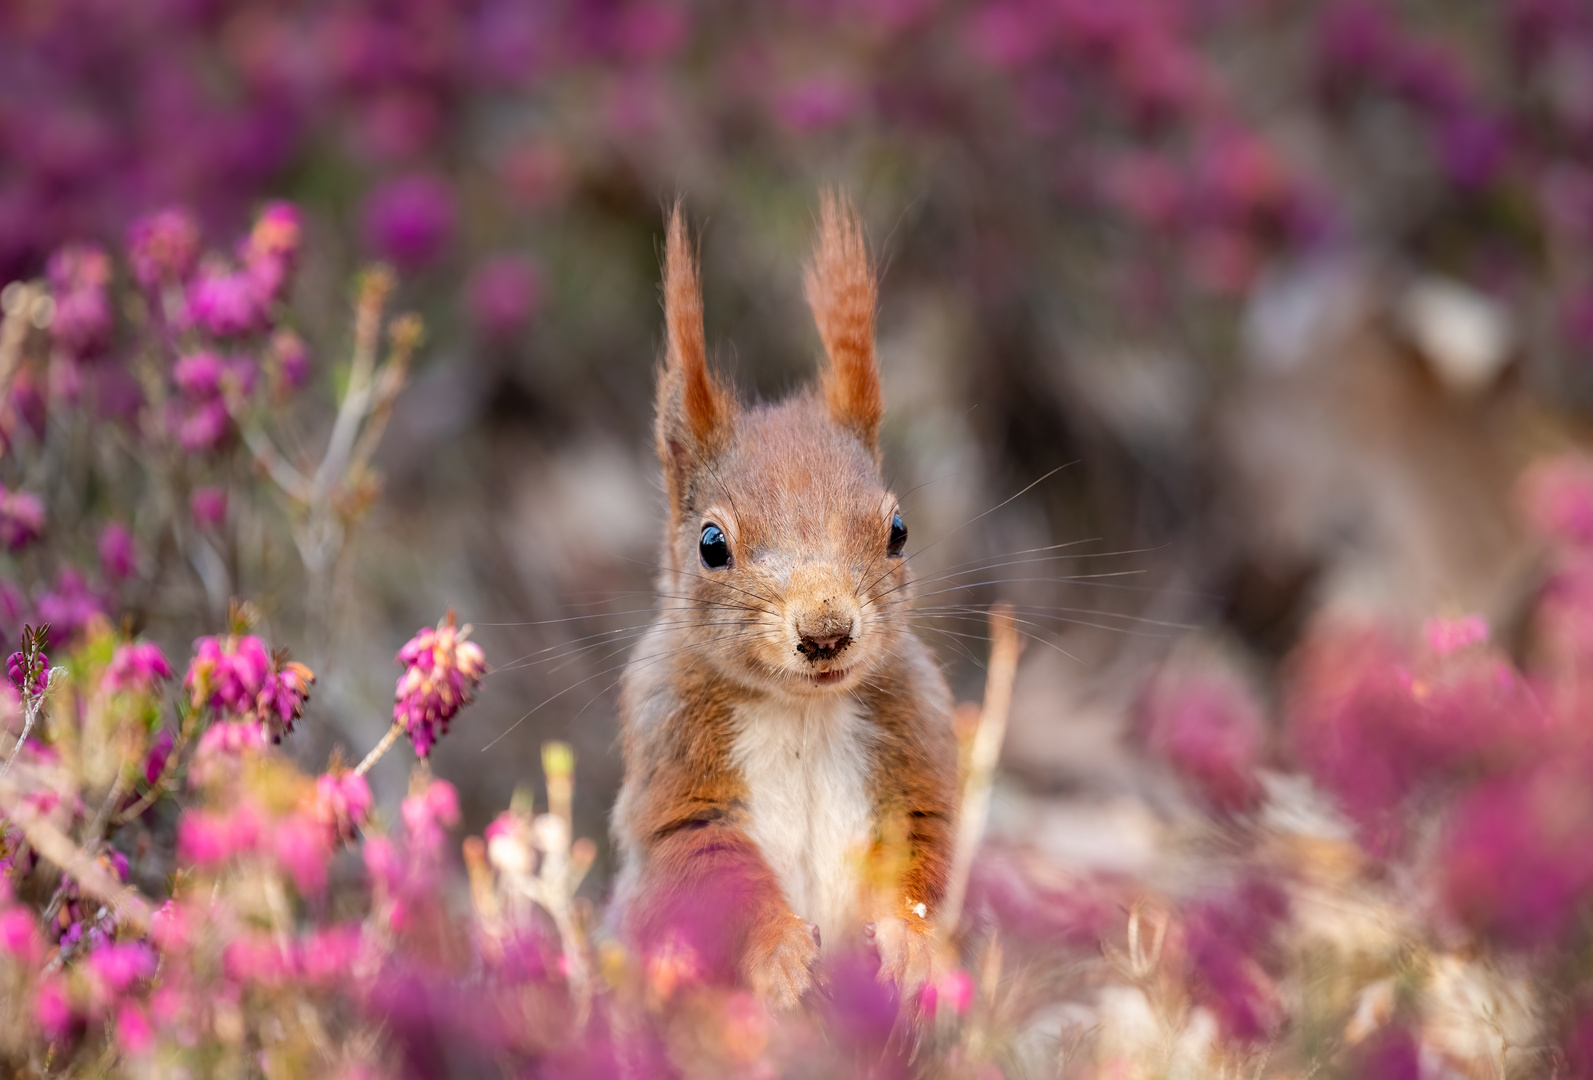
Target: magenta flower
1229,944
69,607
1445,636
283,694
441,672
429,814
118,555
21,518
502,294
162,247
1206,725
137,667
303,849
227,674
81,325
222,747
410,220
272,249
1515,860
342,804
19,935
288,362
52,1008
199,375
208,839
116,966
208,505
225,302
159,754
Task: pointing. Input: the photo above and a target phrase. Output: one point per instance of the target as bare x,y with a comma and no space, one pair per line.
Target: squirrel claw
780,961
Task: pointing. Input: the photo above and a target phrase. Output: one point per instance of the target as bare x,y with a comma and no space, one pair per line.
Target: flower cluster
237,678
441,672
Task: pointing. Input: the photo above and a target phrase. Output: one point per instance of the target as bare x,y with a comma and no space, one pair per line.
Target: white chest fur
806,767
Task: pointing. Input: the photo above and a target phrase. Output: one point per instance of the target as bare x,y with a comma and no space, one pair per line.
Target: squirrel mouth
827,678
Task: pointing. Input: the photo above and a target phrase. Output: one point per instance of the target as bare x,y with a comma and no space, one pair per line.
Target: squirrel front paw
909,955
779,960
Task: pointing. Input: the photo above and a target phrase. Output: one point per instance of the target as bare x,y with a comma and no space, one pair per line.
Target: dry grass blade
1005,644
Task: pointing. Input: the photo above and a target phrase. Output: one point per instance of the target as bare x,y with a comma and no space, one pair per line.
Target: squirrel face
791,554
784,554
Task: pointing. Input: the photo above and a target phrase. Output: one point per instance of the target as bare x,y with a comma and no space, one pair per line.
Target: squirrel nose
826,644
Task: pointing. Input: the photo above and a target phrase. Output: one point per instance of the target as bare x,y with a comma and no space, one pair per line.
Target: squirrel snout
824,637
823,648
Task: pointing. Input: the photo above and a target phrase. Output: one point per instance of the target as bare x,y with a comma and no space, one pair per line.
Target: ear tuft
842,292
694,410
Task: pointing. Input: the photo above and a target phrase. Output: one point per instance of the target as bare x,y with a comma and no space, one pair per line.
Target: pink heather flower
272,249
428,814
198,375
137,666
221,747
1445,636
21,518
1515,860
225,302
288,362
441,672
382,862
303,849
81,326
133,1031
200,425
18,674
1557,498
52,1008
171,926
208,505
159,753
19,935
817,104
502,294
283,694
228,673
1228,939
1206,725
69,607
410,220
342,804
117,966
209,839
955,990
326,955
162,247
118,555
258,959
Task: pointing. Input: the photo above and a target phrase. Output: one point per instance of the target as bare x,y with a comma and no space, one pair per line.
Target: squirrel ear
694,410
841,290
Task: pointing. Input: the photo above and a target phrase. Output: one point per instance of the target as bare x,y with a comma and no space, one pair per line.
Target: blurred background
1262,305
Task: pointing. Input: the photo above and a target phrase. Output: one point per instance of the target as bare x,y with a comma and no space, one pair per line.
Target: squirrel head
784,554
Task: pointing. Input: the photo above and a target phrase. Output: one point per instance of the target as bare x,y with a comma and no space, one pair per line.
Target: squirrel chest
806,766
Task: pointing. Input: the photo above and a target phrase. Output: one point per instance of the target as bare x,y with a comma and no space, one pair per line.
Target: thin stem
379,749
1005,645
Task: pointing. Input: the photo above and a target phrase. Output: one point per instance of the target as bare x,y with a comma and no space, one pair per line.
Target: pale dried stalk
23,304
1005,645
379,749
59,848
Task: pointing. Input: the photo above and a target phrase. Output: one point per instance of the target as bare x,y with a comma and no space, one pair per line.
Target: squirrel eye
714,548
898,539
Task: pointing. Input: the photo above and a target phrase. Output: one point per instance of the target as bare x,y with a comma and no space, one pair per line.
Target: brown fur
796,487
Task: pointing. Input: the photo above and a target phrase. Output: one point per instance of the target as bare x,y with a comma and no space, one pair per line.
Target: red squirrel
790,763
